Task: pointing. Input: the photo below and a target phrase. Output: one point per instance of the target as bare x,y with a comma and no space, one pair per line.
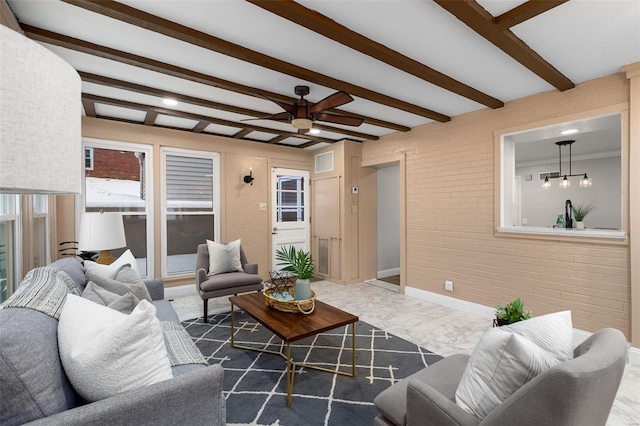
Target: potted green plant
511,312
580,211
299,263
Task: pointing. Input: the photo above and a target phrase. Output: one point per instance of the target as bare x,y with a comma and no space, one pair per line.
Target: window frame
601,236
16,218
215,157
149,191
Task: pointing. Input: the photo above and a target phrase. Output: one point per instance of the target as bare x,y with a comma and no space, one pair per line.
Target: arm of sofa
193,399
250,268
424,402
155,287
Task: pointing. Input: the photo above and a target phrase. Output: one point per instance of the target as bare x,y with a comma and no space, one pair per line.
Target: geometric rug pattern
255,383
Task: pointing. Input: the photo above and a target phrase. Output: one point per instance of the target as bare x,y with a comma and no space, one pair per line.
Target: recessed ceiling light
170,102
569,131
314,131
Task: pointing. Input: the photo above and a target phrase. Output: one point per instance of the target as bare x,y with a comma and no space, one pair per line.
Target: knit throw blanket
180,347
44,290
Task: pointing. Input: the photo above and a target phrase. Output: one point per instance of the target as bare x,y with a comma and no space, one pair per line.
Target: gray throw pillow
125,303
126,280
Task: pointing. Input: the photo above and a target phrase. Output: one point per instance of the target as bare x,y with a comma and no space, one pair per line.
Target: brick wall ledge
541,230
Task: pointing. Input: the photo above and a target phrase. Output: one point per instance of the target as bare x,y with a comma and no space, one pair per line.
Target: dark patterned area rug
255,383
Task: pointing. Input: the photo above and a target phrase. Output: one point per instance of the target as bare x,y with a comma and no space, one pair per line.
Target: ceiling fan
302,113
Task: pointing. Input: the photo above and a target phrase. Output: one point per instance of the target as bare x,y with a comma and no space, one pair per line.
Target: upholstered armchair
225,284
580,391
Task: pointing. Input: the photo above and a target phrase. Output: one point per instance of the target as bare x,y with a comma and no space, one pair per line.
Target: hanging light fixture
565,183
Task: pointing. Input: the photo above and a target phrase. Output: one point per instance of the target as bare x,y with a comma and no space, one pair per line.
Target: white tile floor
442,330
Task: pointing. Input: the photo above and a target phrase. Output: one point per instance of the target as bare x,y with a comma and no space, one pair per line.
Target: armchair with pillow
518,374
223,270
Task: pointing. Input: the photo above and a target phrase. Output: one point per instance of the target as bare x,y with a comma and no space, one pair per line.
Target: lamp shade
101,231
40,119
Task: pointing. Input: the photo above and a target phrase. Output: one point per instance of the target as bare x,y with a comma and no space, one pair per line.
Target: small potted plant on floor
298,262
580,211
510,313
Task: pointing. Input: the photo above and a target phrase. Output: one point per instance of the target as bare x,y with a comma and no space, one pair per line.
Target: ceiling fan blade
281,116
338,119
331,101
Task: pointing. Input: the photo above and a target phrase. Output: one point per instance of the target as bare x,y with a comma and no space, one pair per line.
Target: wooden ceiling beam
314,21
7,18
176,31
190,116
89,108
277,139
150,118
119,84
200,126
482,22
525,11
242,133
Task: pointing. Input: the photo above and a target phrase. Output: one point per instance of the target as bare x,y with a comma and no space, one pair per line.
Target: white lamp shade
40,119
101,231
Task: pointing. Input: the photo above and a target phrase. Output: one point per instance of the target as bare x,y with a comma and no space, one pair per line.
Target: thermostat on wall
354,190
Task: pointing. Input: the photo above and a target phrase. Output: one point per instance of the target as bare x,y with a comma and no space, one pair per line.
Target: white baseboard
388,272
180,291
482,311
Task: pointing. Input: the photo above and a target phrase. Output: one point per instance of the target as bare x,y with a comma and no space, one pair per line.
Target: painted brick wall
450,217
109,163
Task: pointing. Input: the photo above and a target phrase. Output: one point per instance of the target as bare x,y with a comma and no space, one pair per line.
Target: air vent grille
324,162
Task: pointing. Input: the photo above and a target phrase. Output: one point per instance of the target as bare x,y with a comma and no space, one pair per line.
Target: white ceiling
583,39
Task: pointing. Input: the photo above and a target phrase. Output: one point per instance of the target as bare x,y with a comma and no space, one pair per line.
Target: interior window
550,172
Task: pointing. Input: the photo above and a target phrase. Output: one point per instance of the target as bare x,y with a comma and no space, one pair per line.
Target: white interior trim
389,272
489,313
539,230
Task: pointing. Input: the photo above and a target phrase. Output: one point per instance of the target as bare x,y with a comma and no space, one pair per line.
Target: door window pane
290,198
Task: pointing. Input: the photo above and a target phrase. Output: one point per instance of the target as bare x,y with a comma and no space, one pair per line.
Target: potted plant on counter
510,313
580,211
299,263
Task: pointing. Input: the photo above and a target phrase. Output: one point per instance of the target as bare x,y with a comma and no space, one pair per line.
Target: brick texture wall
114,164
450,217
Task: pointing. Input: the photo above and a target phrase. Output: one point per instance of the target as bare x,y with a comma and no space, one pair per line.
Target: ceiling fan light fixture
301,123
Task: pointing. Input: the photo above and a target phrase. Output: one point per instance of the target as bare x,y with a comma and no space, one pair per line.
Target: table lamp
101,232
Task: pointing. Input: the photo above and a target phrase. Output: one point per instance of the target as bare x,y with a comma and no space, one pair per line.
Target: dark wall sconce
249,178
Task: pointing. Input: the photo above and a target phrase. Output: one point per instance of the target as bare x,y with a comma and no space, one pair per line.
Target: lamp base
105,257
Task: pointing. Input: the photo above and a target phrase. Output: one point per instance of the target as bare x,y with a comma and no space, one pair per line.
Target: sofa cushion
125,280
443,376
229,280
33,383
105,352
508,357
122,303
224,258
73,268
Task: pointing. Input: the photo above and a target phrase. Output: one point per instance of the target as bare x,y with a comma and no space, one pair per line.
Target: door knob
275,229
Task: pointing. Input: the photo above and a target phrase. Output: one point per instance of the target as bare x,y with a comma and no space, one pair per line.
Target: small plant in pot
510,313
299,263
580,211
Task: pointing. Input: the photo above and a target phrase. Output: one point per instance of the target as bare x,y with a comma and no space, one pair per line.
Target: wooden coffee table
291,327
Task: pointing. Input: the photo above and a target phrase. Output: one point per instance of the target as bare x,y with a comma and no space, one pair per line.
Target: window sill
574,233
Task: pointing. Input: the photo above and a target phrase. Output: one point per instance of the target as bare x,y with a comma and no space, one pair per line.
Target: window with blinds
189,183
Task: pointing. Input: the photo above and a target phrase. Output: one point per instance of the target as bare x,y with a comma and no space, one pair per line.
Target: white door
290,211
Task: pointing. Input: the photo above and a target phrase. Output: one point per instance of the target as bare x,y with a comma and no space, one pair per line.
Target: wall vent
550,175
324,162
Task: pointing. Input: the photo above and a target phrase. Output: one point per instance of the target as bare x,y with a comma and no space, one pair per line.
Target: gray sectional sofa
34,389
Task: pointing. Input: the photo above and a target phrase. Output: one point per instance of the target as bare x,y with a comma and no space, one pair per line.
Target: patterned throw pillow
224,258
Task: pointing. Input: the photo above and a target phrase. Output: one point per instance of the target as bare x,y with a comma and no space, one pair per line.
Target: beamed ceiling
405,63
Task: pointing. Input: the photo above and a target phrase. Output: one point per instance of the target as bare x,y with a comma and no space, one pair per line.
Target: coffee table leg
353,350
232,332
290,375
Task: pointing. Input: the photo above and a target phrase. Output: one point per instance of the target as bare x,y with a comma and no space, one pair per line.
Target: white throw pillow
507,357
105,352
110,271
224,258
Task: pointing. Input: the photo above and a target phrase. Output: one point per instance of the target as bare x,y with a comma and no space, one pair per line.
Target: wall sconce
249,178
